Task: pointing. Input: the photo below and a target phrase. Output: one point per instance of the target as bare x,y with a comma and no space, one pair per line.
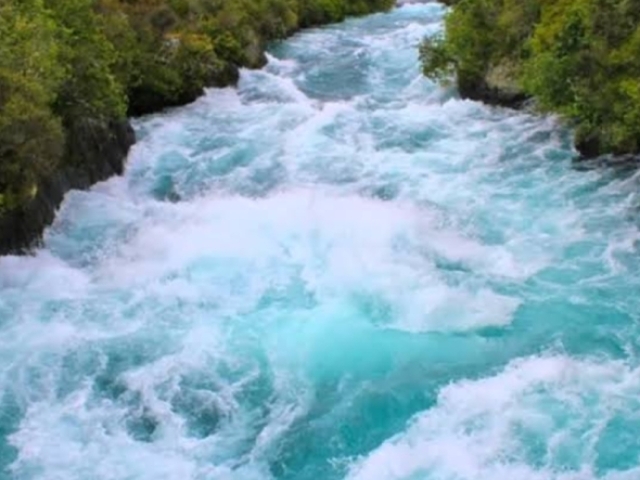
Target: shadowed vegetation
578,58
66,64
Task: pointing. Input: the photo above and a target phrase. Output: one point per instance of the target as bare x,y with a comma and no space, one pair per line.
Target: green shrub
65,61
578,58
31,136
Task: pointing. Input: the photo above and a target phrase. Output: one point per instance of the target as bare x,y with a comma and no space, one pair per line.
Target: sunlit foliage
579,58
68,61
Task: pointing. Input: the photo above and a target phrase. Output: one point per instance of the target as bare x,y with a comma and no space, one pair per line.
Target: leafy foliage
30,73
579,58
69,61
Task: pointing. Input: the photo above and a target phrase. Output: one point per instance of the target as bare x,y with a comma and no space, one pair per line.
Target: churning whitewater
337,271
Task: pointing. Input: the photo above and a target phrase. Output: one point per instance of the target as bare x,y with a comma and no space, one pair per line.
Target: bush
65,61
578,58
31,136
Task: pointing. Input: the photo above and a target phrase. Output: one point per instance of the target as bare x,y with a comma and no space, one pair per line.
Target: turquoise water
338,271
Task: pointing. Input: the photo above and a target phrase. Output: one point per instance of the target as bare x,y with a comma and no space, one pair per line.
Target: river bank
326,276
72,72
578,59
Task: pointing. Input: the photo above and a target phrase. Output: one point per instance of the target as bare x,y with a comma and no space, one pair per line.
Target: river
337,271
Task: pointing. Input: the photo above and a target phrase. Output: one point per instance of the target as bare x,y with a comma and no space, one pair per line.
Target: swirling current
337,271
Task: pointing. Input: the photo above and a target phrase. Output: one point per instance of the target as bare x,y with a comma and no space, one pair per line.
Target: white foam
200,282
340,244
262,86
479,429
281,65
42,275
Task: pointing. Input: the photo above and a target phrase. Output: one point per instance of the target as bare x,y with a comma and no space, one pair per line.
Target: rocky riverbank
95,151
71,73
578,58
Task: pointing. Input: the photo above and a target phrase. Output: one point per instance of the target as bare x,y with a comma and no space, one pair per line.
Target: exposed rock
627,163
95,151
254,53
497,87
227,76
145,99
588,145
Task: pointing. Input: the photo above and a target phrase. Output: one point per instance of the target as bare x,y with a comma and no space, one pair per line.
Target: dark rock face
95,151
481,91
144,100
229,75
627,163
588,146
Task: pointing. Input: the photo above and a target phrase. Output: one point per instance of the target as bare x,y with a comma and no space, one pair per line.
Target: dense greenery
65,61
579,58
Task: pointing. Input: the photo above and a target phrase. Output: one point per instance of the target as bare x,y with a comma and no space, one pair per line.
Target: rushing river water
338,271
